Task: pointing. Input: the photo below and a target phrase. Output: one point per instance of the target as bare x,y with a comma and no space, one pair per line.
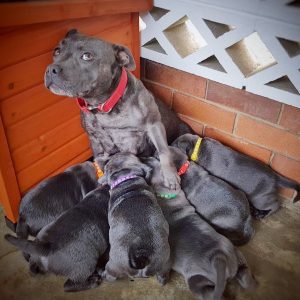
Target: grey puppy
50,198
138,233
257,180
91,70
206,259
73,244
222,206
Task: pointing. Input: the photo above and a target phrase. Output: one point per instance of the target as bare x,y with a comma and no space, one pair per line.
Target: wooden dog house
40,133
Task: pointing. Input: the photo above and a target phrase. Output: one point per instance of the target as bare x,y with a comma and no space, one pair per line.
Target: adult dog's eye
87,56
56,51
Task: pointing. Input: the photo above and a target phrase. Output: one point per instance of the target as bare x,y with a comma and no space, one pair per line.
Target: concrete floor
273,254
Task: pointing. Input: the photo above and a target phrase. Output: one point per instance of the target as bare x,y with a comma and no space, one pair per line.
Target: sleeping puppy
219,204
138,233
118,113
206,259
50,198
257,180
73,244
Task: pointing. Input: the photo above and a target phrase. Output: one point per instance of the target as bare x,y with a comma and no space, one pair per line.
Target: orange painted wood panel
78,159
27,103
45,144
42,168
24,75
36,125
9,190
21,13
36,40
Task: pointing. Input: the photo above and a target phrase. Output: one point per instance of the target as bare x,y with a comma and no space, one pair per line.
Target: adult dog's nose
53,69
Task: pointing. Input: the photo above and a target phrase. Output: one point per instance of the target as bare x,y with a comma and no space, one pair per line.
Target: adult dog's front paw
171,180
108,277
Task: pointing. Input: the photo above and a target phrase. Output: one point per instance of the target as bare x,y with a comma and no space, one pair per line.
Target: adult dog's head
86,66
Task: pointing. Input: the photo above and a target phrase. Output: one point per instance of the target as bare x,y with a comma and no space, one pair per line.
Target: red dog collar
109,104
182,170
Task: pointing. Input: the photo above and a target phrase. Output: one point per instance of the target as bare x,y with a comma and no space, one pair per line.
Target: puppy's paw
171,180
162,279
34,269
259,214
108,277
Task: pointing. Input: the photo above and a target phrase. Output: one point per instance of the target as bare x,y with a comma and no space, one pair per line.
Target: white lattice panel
245,44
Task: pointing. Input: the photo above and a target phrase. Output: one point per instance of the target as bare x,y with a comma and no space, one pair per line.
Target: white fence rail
245,44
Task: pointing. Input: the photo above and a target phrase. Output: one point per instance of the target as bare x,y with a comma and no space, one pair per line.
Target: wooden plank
9,190
29,102
24,75
20,13
38,124
42,168
135,42
78,159
117,35
38,148
37,39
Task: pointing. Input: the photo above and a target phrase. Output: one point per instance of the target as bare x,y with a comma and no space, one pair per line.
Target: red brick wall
260,127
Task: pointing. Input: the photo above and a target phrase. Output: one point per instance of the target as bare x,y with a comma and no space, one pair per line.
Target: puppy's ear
185,145
124,57
149,161
71,32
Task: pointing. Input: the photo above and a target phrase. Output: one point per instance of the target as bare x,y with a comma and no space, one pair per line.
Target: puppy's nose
53,69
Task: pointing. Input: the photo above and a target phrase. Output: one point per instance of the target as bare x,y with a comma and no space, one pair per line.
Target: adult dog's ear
124,57
71,32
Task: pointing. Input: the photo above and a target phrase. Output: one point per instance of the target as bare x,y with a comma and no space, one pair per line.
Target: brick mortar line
172,98
235,123
280,114
206,88
271,157
242,139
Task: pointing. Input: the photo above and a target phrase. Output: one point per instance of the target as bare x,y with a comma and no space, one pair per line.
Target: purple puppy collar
121,179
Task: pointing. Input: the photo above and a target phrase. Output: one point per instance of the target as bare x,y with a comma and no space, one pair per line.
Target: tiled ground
273,254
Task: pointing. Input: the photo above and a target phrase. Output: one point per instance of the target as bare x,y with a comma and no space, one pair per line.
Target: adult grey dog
138,233
206,259
50,198
222,206
257,180
118,112
73,244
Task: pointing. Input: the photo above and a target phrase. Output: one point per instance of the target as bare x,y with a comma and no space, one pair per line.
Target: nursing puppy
222,206
206,259
50,198
138,233
95,72
73,244
257,180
